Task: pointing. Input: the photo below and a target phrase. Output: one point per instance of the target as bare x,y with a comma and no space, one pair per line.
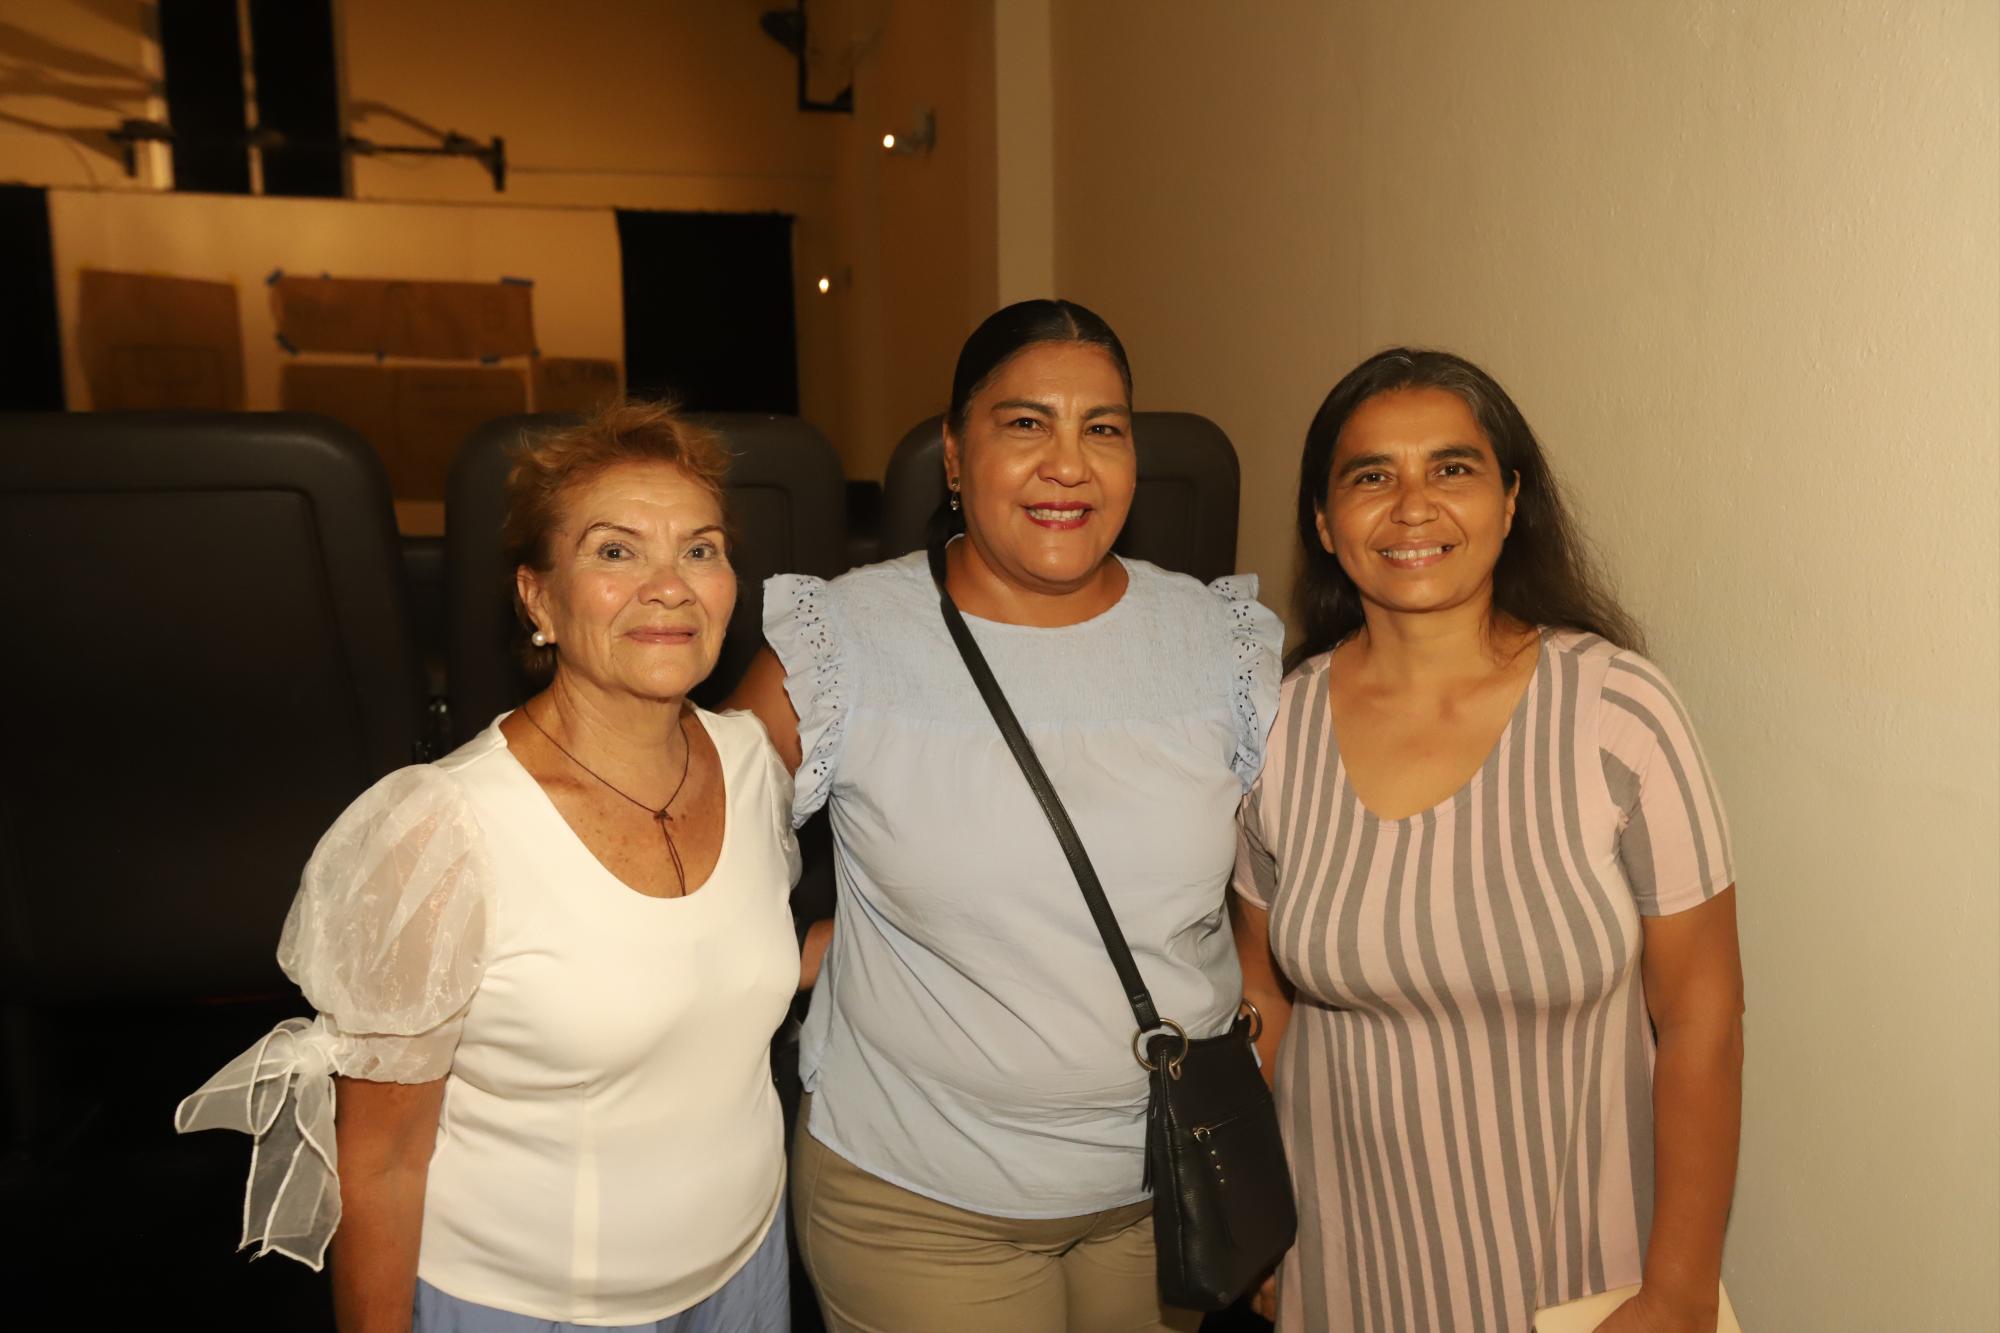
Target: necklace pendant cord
661,816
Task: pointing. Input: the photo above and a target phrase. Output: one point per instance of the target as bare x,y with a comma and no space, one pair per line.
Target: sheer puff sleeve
385,938
1256,641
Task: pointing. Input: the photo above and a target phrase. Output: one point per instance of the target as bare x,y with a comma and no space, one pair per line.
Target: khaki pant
886,1260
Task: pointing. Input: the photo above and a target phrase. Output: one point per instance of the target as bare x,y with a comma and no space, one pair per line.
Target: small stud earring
539,639
953,500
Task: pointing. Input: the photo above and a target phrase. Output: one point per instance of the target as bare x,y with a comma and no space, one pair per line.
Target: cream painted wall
1741,266
1024,150
917,273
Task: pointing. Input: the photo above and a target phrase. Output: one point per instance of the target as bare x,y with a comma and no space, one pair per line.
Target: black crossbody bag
1223,1212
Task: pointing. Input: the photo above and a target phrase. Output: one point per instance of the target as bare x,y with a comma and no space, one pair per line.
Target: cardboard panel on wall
151,343
360,397
448,321
574,383
436,408
415,416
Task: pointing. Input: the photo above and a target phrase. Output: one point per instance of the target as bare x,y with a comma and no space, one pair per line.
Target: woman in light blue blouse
972,1155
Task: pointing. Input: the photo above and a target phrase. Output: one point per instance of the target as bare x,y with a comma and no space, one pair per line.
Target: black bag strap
1031,767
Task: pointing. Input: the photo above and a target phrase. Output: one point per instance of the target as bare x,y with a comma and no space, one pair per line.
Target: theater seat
1183,513
209,657
787,500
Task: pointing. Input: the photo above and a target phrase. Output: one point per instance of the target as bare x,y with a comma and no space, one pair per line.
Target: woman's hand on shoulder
762,691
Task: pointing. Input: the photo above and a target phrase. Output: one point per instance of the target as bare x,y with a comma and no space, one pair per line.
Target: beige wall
1024,151
1738,264
919,269
669,104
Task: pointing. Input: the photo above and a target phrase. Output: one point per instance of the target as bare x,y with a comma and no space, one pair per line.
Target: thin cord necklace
660,816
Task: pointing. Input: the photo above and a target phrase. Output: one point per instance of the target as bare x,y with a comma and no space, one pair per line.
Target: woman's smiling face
1045,465
1416,508
640,588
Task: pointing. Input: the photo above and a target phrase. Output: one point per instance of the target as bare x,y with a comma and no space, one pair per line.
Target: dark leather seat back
1183,513
208,658
787,501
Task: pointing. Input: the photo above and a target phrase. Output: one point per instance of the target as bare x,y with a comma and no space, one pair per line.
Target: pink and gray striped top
1466,1082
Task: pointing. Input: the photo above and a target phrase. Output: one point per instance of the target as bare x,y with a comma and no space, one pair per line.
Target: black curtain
31,333
709,318
298,96
201,45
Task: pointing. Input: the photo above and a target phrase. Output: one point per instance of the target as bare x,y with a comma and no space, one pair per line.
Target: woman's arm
762,691
385,1133
812,951
1694,989
1263,985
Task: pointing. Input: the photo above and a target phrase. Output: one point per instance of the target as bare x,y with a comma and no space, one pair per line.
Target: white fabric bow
280,1092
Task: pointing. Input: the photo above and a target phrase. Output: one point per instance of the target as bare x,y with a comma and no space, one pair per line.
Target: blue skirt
756,1300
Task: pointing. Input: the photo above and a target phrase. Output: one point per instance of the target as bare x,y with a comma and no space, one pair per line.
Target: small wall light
919,138
825,284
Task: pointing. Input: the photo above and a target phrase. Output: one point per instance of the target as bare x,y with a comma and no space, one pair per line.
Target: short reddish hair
546,469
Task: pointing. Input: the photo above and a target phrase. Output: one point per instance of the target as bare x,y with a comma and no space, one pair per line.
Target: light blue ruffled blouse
968,1038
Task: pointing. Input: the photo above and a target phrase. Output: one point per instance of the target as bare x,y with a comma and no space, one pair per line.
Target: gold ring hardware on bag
1256,1019
1173,1063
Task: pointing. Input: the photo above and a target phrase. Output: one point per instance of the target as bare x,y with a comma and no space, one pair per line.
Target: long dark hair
1007,332
1545,575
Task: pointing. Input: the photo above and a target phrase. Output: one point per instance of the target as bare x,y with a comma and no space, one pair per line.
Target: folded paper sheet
1585,1314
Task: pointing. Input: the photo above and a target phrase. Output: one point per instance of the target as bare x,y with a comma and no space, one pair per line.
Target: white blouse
610,1146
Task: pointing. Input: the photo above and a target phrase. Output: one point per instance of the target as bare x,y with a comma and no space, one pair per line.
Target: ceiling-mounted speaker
786,27
825,55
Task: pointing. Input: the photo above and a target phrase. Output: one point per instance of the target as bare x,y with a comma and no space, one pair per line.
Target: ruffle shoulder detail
1256,645
804,628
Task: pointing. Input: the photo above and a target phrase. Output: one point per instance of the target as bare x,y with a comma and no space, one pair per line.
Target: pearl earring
539,639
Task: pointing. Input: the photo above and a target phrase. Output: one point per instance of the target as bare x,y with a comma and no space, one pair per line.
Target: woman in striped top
1502,993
